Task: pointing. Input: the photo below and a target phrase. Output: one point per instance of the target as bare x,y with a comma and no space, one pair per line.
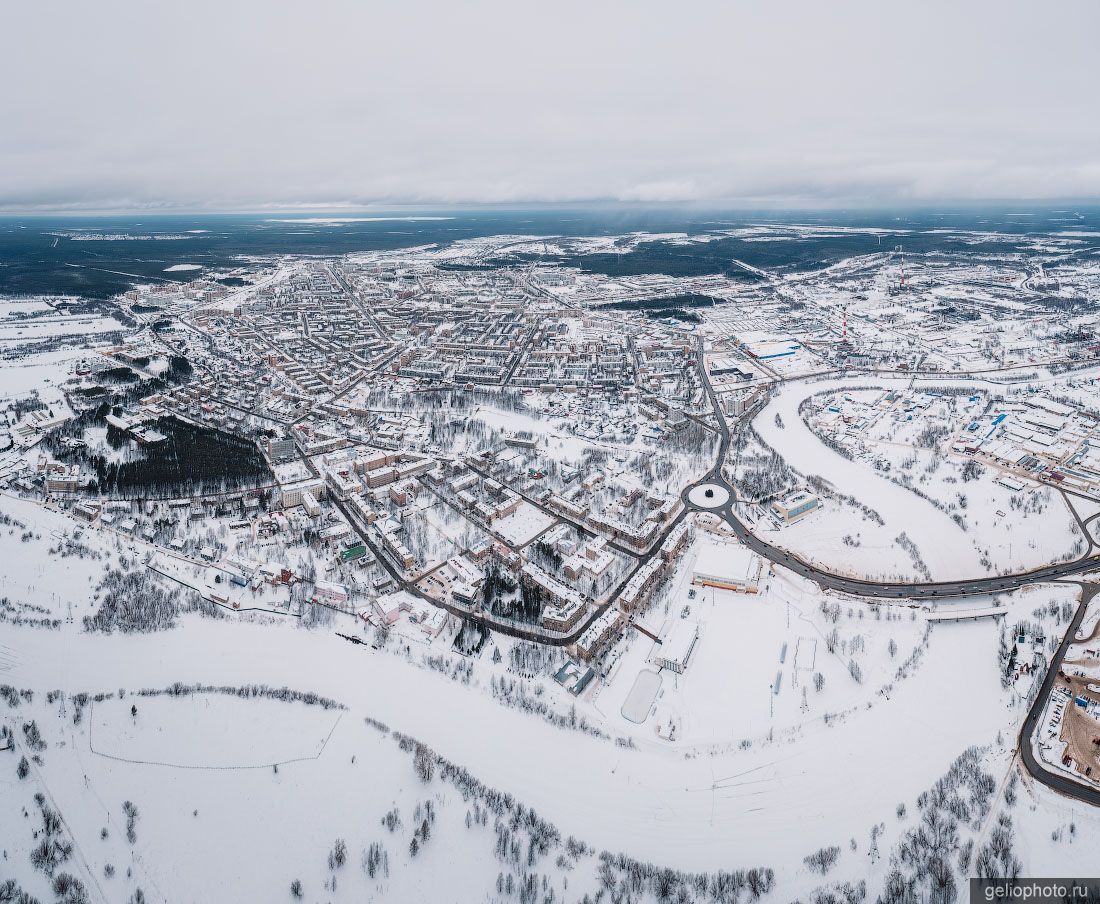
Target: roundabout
708,495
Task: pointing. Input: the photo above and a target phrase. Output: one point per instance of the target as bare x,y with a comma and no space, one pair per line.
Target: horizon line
721,205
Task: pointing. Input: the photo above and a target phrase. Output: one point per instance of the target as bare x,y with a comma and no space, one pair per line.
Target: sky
255,104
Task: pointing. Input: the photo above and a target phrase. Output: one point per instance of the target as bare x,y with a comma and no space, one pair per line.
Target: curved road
1061,783
1037,770
826,579
885,589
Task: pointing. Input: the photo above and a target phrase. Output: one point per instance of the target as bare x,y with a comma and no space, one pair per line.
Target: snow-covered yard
523,525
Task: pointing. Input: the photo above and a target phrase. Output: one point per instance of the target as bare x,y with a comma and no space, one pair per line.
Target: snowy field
34,329
33,574
237,753
702,802
713,810
189,732
199,822
754,670
20,376
19,308
758,656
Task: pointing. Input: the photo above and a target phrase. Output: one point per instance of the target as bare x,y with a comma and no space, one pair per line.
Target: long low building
729,566
640,584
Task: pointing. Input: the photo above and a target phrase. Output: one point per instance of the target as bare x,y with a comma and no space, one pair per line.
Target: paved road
1036,769
532,633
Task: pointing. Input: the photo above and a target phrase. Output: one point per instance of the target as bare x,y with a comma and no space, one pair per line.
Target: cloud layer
268,103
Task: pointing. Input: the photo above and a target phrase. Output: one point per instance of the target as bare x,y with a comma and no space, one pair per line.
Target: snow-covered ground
753,672
820,786
20,376
990,541
701,802
189,732
523,525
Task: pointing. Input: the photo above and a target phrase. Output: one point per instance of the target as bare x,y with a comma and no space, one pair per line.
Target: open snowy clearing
31,574
189,732
244,834
744,680
20,376
523,525
642,694
39,328
719,807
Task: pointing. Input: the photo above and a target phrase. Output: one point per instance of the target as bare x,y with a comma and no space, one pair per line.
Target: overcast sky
240,105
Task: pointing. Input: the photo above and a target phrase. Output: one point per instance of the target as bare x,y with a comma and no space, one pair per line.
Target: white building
729,566
310,504
678,645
